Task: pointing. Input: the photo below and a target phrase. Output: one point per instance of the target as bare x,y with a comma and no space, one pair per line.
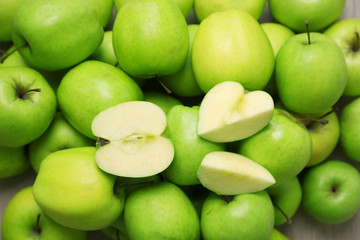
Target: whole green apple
346,33
13,161
7,10
94,86
24,219
246,216
105,52
27,106
59,135
204,8
231,46
74,192
331,191
190,148
283,147
56,34
310,60
161,211
150,38
319,13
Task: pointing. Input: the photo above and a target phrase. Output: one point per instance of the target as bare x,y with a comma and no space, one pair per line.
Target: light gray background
303,227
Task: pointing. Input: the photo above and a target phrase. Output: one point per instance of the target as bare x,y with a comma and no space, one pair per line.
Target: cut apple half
129,140
227,173
229,113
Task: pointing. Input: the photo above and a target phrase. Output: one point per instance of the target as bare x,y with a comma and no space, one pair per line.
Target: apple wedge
227,173
228,113
129,140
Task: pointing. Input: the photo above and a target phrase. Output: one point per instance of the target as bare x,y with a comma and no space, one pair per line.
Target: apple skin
105,53
287,197
13,161
161,211
277,235
164,101
103,9
59,135
95,86
346,34
7,10
331,191
204,8
189,147
26,115
20,218
147,32
350,129
221,51
69,28
283,147
320,64
319,13
73,191
246,216
183,83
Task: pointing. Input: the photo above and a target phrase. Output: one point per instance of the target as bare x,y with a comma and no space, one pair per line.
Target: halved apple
227,173
129,140
228,113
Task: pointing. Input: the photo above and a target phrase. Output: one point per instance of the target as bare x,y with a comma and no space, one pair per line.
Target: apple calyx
37,230
308,31
101,141
227,198
355,46
12,51
25,94
288,220
334,190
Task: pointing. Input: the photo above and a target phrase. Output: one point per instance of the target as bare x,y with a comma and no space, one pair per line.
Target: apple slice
228,113
130,141
227,173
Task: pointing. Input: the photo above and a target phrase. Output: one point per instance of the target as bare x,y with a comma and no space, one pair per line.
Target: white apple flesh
130,141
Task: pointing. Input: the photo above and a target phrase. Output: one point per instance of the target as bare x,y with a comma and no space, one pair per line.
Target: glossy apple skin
73,191
331,191
105,52
150,38
320,64
20,217
57,33
103,9
283,147
246,216
94,86
346,34
161,211
7,10
231,46
13,161
26,116
319,13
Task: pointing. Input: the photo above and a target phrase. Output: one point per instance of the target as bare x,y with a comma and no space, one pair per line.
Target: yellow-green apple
105,52
7,10
13,161
231,46
103,9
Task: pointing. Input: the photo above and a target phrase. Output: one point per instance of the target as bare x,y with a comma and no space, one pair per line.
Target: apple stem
101,141
319,120
288,220
168,91
308,30
23,95
356,43
37,226
11,52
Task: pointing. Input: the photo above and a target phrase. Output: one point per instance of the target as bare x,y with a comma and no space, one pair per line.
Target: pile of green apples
143,124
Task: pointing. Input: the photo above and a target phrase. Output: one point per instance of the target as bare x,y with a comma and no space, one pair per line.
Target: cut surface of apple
129,140
228,113
227,173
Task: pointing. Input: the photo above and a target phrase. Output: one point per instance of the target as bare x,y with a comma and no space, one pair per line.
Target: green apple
310,60
74,192
13,161
228,113
189,147
350,129
24,219
7,10
319,13
105,52
231,46
246,216
164,101
161,211
346,33
277,235
183,83
331,191
94,86
227,173
204,8
27,105
117,230
103,9
286,199
59,135
55,34
147,32
130,141
283,147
